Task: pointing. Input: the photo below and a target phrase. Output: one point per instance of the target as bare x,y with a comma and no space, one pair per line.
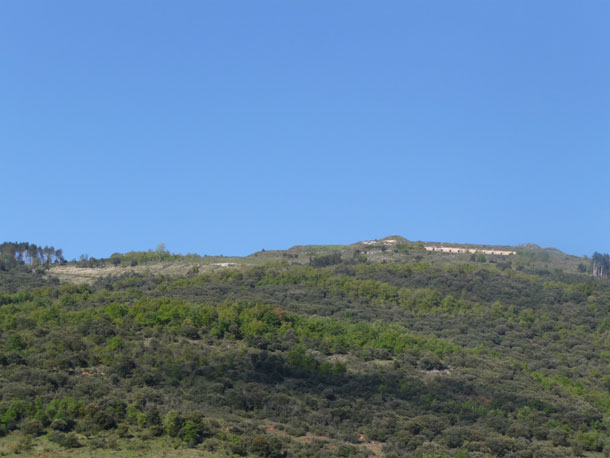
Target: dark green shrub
32,427
62,425
559,437
260,446
65,440
172,423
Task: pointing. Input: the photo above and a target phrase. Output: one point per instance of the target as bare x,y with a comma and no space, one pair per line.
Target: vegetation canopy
381,348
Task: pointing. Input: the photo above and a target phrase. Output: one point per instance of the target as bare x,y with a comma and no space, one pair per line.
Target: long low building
456,249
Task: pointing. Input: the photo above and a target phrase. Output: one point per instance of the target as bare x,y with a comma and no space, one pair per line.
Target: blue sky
224,127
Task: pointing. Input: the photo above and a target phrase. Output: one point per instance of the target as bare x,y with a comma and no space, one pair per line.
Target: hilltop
394,249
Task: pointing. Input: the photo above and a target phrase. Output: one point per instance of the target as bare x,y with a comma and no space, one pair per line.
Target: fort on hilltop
455,249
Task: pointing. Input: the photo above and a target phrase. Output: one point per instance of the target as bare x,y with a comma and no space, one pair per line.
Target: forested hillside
378,349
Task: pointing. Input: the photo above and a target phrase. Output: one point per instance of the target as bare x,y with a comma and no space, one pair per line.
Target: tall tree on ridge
601,265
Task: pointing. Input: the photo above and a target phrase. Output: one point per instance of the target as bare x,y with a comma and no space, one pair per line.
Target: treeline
16,254
138,258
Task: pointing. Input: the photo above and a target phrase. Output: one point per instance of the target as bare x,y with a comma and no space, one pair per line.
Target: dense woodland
435,355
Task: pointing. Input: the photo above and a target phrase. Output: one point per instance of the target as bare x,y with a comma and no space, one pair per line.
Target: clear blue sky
224,127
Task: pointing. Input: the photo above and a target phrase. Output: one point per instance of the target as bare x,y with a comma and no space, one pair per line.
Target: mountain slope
380,348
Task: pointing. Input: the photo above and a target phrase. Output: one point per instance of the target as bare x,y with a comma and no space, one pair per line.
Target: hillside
379,348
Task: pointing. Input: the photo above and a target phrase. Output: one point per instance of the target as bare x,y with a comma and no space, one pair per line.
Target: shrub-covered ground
471,357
